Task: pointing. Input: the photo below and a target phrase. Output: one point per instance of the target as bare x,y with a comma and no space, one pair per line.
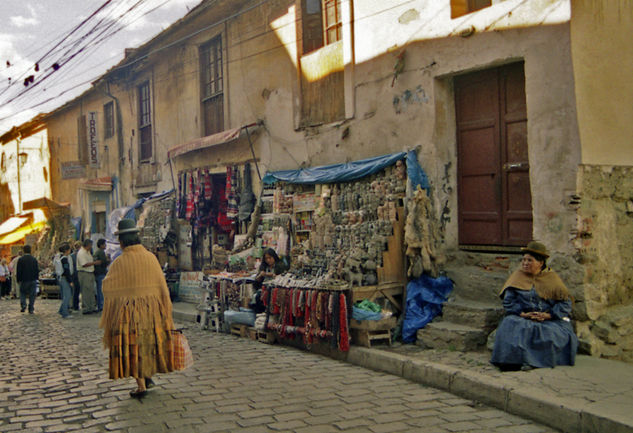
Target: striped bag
183,357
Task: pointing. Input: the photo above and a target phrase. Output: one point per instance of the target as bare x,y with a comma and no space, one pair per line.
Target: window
321,23
212,86
332,21
144,122
463,7
108,119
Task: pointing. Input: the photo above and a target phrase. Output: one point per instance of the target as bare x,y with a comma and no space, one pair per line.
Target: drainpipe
17,140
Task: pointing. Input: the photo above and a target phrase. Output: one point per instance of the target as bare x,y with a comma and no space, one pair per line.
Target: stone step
477,282
452,336
481,315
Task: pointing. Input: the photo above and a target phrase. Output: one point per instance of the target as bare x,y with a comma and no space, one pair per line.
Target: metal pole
17,140
253,152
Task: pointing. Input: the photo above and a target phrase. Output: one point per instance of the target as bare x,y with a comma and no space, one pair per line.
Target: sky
37,34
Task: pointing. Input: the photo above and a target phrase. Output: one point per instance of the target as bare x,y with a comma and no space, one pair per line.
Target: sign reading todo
93,141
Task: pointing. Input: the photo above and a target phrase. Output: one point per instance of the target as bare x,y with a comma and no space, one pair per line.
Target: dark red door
494,199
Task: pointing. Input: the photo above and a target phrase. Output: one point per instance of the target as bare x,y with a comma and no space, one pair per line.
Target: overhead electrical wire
70,33
69,54
82,49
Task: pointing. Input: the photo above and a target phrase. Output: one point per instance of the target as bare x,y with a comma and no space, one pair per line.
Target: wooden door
494,199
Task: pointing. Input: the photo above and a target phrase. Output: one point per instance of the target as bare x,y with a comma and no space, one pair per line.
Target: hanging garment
343,342
208,186
189,210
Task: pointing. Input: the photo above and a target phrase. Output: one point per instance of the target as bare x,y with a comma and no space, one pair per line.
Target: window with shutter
212,86
145,122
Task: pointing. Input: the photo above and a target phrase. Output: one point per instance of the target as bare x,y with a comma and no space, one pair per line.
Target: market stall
345,237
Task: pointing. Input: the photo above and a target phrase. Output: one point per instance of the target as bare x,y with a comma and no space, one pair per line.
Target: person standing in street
13,267
76,286
86,268
64,272
101,262
5,279
137,322
27,274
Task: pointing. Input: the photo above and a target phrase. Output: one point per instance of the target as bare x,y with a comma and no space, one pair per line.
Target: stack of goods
220,257
351,227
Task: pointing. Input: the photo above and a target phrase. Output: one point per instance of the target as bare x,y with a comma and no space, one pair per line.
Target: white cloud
22,21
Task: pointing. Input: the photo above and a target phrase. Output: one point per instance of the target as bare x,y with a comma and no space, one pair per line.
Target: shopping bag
183,357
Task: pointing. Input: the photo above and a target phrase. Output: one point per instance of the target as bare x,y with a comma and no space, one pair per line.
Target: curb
531,403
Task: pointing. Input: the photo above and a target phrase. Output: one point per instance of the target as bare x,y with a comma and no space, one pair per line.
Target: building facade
495,96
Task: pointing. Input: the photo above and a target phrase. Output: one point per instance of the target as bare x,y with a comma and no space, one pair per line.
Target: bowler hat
126,225
537,248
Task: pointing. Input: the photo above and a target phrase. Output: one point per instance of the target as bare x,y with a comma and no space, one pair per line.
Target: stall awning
43,202
204,142
20,233
11,224
210,140
350,171
336,172
97,184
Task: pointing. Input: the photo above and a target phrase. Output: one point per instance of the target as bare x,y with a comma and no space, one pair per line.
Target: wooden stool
364,332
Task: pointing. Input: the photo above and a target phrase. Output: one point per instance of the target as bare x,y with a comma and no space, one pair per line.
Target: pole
17,140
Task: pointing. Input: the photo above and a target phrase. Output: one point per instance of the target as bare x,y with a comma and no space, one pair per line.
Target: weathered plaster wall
603,243
63,142
601,33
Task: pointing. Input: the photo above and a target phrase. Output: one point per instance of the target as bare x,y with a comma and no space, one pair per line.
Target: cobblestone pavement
53,378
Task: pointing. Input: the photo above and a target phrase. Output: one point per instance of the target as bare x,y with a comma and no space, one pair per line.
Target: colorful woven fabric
137,316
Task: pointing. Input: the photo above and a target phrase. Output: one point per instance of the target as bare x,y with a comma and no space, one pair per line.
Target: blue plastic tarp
345,172
425,296
243,317
416,175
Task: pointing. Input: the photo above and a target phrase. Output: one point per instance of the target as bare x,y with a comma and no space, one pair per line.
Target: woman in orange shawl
137,313
536,331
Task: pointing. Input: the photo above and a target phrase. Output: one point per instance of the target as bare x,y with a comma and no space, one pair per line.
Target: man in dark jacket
76,288
27,274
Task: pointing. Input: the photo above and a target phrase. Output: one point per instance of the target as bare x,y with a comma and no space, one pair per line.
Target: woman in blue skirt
536,331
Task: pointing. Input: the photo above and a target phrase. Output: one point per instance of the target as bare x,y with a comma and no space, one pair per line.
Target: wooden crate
365,338
239,330
267,337
364,332
373,325
252,333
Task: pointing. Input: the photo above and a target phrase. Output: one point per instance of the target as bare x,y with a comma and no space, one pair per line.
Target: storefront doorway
494,199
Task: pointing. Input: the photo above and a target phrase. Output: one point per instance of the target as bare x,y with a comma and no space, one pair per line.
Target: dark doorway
494,198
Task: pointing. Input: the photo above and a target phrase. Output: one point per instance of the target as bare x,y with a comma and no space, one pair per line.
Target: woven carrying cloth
136,318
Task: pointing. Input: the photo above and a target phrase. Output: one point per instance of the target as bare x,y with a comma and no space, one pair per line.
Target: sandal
138,394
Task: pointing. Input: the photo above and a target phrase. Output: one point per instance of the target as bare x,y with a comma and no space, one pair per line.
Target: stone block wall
603,243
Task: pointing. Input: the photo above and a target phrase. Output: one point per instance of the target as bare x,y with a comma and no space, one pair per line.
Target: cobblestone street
53,378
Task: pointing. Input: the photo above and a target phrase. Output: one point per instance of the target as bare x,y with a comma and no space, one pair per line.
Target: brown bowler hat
537,248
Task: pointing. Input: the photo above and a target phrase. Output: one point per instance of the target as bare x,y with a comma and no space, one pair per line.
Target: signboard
302,202
73,170
190,285
93,142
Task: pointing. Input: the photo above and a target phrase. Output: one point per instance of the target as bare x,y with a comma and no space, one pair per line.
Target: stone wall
603,246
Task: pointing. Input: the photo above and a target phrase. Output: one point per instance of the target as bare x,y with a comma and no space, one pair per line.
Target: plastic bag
361,314
425,296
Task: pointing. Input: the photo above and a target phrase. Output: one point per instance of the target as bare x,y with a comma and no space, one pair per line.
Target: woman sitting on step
536,331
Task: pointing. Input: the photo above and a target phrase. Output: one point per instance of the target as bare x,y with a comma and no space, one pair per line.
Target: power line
65,60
